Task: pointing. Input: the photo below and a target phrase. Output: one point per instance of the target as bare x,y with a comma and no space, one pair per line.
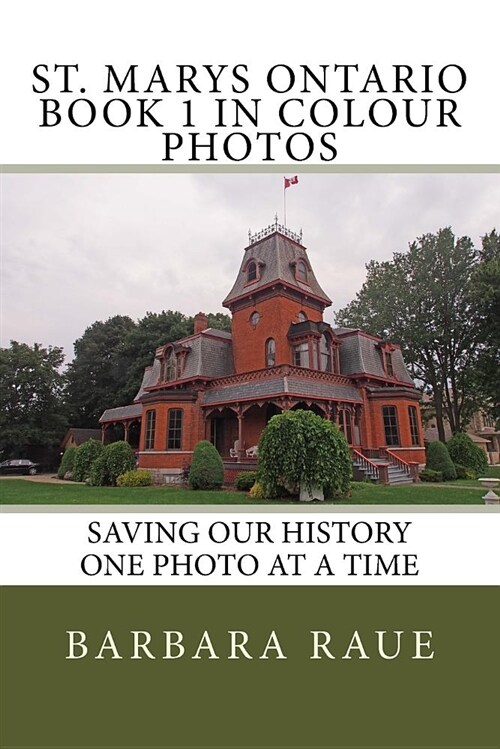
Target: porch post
126,427
241,449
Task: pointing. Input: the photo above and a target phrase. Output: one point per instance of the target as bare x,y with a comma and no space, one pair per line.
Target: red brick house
280,355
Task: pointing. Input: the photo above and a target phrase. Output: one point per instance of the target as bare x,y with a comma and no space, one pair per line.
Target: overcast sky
77,248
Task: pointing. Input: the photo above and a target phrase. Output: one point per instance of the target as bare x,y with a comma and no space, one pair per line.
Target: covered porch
237,411
122,423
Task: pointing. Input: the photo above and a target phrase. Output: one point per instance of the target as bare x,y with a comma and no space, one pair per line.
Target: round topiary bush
67,462
85,455
300,447
438,459
463,451
207,469
119,459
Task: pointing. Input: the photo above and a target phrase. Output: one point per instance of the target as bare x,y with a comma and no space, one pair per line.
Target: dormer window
388,363
387,350
252,271
171,370
173,363
301,271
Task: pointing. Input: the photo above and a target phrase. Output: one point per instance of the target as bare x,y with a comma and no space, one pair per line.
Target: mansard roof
276,250
209,354
360,355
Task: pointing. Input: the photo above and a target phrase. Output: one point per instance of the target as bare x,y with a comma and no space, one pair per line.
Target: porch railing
370,468
411,469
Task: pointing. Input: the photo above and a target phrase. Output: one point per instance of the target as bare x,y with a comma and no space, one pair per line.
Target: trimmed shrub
245,480
99,471
301,447
85,455
429,475
463,451
207,469
67,462
119,459
438,459
141,477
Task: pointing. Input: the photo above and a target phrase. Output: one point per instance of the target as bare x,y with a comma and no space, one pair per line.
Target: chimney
200,322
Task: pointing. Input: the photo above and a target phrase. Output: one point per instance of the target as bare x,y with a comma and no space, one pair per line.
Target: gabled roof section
276,252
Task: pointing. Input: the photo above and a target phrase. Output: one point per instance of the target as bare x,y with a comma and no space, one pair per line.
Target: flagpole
284,201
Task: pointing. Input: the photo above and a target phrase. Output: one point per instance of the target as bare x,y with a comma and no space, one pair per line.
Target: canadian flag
289,181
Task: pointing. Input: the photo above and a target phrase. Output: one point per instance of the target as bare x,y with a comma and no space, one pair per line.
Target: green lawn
21,491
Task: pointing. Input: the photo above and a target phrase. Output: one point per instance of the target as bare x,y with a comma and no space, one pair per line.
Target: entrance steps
396,475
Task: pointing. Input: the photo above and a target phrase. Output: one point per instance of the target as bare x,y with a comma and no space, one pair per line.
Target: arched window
302,316
251,271
301,271
270,352
325,353
171,370
254,319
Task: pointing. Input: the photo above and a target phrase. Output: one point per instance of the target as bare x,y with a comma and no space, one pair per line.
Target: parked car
21,467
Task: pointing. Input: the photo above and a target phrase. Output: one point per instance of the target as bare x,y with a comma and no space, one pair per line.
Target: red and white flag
289,181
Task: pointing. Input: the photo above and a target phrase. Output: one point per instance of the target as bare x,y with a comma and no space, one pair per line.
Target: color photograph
154,325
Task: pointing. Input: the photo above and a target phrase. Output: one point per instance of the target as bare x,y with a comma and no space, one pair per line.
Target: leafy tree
465,453
31,406
486,295
96,375
220,321
111,356
438,459
301,447
207,469
137,349
422,299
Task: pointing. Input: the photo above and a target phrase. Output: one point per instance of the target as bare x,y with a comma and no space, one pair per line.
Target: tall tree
422,300
486,293
96,375
155,329
31,407
137,349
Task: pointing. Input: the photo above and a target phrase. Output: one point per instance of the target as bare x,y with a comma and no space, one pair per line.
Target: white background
451,549
261,34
